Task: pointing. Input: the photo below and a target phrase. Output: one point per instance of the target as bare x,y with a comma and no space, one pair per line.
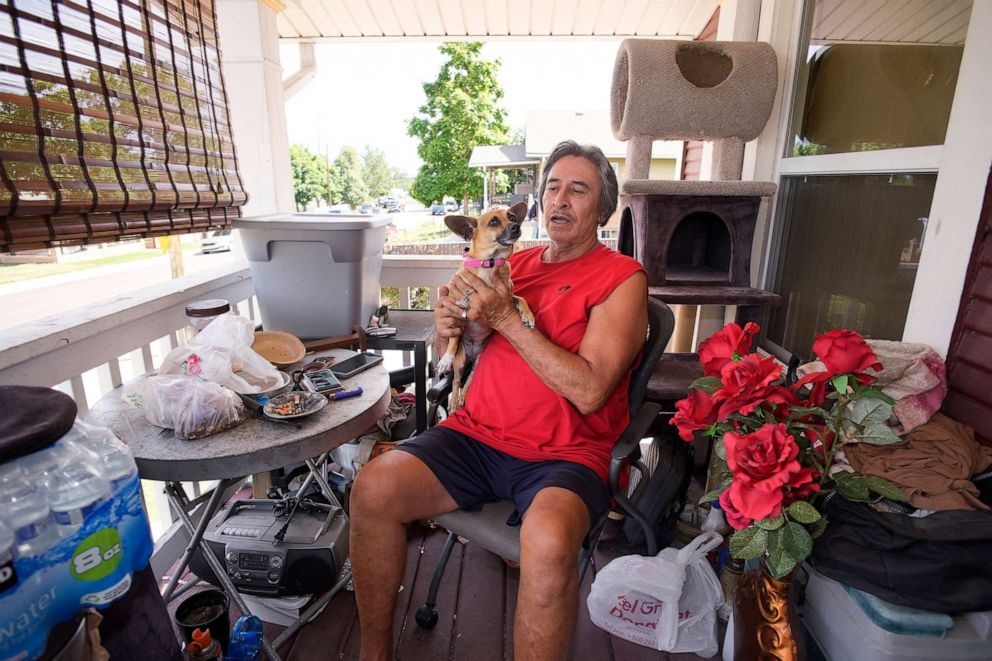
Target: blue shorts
474,474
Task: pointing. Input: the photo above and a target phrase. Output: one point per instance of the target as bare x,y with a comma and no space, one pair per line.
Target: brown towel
933,464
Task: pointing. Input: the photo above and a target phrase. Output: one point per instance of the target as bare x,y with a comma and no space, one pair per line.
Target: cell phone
352,366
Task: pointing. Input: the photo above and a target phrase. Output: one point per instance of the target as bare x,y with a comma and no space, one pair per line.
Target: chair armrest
627,448
441,387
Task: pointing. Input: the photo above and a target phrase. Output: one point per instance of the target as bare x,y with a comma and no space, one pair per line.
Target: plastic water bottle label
74,517
8,576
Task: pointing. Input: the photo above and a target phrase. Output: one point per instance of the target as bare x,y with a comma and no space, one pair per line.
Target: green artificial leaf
803,411
787,547
868,411
840,383
816,529
771,524
878,434
748,543
802,512
870,392
719,450
884,487
852,486
708,384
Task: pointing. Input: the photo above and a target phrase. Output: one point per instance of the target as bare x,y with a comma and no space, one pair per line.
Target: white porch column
253,77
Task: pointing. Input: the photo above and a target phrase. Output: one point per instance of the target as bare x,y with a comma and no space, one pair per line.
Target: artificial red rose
720,348
841,352
697,411
803,486
845,352
749,382
733,515
764,465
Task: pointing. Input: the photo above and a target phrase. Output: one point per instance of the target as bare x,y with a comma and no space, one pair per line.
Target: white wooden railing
86,353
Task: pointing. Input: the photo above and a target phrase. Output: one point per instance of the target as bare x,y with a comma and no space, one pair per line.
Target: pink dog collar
483,263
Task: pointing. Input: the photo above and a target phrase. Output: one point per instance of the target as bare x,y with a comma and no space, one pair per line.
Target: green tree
376,173
461,112
310,176
401,179
347,178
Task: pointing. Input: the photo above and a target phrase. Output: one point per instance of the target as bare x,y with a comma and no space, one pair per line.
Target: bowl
279,348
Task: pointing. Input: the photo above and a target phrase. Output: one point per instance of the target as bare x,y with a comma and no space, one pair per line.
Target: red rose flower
697,411
733,515
765,466
749,382
720,348
841,352
845,352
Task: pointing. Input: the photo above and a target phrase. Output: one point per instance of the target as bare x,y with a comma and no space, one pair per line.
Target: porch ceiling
334,20
912,21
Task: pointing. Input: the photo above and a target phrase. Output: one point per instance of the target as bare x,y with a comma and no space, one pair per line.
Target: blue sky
365,93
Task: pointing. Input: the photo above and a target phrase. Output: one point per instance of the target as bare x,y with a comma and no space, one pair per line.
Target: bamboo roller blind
113,122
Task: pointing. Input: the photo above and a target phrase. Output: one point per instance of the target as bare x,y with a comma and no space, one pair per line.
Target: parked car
218,241
393,205
437,209
452,205
368,208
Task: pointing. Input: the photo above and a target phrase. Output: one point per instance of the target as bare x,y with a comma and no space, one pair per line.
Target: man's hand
448,319
489,305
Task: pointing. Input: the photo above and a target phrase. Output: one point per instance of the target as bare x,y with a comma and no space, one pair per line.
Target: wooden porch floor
475,608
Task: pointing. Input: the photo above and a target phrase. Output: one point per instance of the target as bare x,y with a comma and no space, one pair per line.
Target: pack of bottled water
73,531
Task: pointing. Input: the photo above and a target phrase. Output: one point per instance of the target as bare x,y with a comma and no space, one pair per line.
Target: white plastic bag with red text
667,602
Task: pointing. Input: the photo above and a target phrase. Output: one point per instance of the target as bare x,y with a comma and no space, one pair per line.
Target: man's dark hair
609,189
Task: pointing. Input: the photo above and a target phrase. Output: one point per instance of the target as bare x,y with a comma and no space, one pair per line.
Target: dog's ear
518,212
463,226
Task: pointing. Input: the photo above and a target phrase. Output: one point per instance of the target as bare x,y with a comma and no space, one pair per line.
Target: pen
345,394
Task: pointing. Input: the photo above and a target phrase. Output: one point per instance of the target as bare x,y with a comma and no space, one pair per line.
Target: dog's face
492,233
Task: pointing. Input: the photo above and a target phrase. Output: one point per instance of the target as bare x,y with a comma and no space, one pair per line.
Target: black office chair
487,527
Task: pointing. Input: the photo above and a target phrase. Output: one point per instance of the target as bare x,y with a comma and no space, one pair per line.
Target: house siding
969,357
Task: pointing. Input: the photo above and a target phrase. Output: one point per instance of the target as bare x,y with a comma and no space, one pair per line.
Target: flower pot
766,623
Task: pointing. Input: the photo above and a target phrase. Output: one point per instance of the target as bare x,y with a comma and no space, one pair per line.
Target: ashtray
295,404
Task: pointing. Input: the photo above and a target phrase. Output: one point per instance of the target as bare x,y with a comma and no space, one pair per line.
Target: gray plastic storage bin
315,276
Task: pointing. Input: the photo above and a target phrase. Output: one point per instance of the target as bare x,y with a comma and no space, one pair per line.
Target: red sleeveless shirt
508,407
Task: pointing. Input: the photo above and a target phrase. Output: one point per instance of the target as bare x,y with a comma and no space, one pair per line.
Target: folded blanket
914,375
933,465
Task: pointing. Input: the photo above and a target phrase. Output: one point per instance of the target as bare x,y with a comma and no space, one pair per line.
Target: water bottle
24,508
108,455
8,577
75,490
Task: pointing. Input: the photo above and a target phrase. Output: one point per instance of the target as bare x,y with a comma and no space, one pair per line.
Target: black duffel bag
941,562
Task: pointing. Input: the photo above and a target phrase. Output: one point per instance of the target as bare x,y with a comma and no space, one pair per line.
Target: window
870,110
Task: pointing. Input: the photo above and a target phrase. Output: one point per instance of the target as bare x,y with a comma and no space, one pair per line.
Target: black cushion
32,418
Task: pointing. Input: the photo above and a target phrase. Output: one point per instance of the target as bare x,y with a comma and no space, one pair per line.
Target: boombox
243,537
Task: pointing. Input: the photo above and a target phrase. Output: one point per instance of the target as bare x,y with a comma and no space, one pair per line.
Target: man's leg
393,490
548,598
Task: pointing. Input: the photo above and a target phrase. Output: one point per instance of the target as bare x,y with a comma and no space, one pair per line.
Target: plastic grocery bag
667,602
190,406
222,353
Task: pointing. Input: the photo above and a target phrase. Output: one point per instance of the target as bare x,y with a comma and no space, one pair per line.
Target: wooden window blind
114,122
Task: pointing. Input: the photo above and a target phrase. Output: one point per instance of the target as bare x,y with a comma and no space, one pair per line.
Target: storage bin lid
312,221
32,418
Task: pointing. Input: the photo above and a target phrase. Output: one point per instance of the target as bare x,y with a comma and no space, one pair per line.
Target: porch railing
89,352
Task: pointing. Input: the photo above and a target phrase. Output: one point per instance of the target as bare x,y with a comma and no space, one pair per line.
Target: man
543,411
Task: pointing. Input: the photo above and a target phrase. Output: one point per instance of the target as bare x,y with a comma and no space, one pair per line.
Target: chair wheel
426,617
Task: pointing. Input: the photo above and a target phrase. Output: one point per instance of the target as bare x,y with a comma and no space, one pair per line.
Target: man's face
571,200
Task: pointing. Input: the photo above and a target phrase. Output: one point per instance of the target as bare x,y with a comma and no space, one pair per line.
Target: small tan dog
492,238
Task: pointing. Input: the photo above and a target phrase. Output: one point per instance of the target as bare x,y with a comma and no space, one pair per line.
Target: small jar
201,313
